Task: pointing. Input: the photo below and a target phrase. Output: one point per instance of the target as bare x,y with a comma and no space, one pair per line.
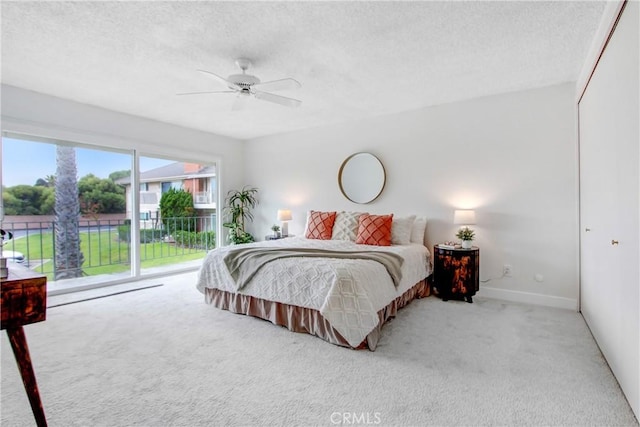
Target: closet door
610,203
599,198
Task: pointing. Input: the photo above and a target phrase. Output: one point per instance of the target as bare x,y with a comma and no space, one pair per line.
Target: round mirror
361,177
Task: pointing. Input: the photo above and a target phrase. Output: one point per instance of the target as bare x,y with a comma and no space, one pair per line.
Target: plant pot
466,244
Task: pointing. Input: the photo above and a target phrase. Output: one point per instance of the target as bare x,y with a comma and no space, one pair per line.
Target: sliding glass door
177,213
86,215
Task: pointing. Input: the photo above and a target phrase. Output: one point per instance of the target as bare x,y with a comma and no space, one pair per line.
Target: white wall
511,157
32,113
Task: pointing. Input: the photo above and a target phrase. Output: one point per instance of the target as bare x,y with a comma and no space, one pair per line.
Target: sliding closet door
610,204
599,194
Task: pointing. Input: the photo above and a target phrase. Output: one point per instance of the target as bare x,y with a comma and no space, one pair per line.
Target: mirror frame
376,163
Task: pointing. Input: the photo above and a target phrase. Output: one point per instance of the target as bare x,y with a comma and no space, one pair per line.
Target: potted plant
466,235
237,211
276,230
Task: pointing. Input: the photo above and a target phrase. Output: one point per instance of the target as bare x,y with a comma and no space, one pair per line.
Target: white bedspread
348,293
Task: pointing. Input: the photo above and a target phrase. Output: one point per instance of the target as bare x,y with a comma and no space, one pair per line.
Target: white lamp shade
464,217
284,215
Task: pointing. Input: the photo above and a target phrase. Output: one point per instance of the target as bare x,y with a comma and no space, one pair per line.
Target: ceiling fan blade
219,79
282,100
281,84
199,93
240,102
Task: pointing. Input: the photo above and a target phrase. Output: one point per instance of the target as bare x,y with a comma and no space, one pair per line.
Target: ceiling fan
246,85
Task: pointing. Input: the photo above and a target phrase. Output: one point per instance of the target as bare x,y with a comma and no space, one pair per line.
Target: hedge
146,235
194,240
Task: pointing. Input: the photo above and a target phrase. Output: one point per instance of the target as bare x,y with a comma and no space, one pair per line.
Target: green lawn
103,253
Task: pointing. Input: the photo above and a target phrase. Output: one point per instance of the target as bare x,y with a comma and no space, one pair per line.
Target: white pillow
401,230
418,230
306,224
346,226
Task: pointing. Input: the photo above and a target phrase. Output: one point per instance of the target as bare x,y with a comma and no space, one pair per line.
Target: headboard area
362,227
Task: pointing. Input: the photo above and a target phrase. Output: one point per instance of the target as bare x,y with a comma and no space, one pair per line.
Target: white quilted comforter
347,292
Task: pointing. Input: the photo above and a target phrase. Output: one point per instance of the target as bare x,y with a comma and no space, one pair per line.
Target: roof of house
171,172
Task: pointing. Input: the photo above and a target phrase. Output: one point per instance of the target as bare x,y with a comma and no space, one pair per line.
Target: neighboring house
197,179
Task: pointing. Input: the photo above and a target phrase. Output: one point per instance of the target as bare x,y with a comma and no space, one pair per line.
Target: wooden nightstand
272,237
24,301
456,272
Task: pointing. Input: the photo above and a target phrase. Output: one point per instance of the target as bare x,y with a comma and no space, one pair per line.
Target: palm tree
68,257
51,180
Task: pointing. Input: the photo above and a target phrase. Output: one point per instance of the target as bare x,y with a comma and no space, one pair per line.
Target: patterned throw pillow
374,230
401,230
346,226
320,225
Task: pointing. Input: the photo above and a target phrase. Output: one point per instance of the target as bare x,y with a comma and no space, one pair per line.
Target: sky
23,162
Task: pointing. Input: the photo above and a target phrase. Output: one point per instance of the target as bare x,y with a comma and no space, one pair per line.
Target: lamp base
285,228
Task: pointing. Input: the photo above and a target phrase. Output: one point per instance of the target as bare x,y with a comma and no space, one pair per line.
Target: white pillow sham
401,230
418,230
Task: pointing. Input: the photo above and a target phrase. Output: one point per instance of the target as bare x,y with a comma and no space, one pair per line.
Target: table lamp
284,215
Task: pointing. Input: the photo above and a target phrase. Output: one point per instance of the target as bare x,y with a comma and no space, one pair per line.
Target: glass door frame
102,143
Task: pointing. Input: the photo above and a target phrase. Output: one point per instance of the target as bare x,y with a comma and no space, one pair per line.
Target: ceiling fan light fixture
245,85
243,79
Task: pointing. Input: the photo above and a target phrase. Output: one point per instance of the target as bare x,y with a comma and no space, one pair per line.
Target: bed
344,300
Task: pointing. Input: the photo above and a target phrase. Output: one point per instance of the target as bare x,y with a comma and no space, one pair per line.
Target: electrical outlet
506,270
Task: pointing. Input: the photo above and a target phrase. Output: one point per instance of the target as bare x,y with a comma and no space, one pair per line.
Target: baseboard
529,298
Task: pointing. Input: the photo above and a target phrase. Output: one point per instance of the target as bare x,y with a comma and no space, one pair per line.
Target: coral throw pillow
320,225
374,230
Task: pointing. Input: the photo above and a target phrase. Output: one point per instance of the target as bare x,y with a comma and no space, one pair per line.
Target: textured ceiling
354,59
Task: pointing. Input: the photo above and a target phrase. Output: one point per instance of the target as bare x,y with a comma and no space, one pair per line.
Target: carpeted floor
161,356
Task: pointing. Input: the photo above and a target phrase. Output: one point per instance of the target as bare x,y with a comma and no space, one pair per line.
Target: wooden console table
24,301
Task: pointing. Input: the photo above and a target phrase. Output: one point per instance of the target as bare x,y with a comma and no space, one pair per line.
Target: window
100,247
166,185
179,237
54,240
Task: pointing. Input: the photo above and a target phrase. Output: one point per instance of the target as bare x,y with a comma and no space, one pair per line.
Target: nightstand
272,237
456,273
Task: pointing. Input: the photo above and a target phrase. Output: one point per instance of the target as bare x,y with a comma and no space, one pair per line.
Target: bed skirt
308,320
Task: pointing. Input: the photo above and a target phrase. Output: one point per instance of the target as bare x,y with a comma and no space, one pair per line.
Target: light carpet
162,357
